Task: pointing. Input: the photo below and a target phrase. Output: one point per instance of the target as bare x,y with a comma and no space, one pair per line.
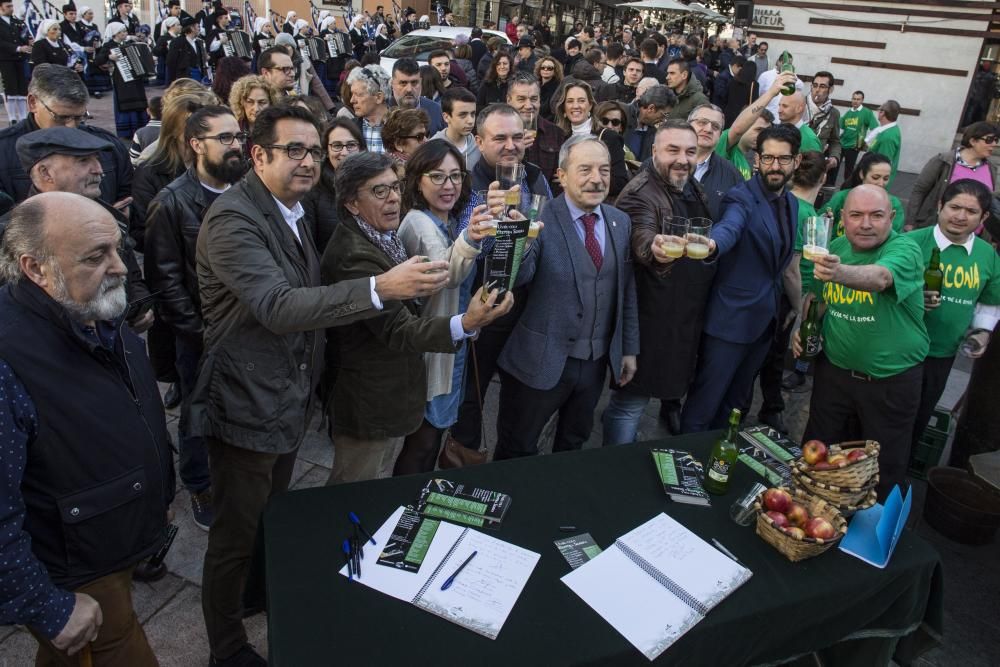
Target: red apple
778,500
824,465
797,515
796,532
820,528
813,452
837,459
855,454
779,519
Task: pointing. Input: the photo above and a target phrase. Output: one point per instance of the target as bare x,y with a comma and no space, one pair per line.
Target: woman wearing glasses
872,169
611,117
404,132
572,104
549,73
380,393
341,139
435,193
248,97
971,160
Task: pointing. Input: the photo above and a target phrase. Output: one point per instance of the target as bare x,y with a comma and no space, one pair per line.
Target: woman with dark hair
227,71
435,192
872,169
549,73
463,56
380,393
341,139
404,131
573,104
494,87
970,160
964,313
431,85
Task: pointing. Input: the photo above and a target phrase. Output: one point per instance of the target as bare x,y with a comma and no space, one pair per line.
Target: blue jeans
621,417
193,453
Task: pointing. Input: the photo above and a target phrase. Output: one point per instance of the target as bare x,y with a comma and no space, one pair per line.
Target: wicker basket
848,474
792,548
833,494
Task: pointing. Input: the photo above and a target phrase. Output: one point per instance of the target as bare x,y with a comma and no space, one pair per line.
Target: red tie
590,239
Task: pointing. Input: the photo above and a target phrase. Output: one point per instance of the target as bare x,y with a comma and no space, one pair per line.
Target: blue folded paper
874,532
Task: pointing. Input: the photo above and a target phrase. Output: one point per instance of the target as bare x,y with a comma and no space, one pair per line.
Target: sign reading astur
767,18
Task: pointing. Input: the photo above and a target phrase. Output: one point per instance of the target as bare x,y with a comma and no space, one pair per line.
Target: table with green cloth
852,612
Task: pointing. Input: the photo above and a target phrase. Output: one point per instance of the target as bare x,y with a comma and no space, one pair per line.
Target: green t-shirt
734,155
889,143
836,205
854,125
806,210
878,333
968,280
810,142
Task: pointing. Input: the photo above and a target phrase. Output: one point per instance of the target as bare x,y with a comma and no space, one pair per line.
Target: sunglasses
547,68
419,137
611,121
990,139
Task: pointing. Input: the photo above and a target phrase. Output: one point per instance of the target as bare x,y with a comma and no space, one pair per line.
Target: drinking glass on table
674,239
816,237
697,238
510,177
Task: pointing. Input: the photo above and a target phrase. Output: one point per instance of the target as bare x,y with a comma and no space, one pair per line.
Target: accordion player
136,62
339,44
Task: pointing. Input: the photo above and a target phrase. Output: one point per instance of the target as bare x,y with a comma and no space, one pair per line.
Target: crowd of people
295,240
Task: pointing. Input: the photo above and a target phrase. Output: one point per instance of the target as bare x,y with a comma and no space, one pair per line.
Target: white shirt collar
219,192
291,215
943,242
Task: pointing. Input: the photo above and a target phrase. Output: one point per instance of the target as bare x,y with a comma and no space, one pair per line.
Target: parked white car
420,43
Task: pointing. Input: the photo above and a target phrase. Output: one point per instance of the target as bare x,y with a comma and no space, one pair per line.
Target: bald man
89,471
868,382
791,110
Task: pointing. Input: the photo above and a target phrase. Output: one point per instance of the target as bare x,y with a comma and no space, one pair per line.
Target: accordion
339,44
313,48
238,44
135,61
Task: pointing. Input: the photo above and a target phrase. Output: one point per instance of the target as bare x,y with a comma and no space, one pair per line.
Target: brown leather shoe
456,455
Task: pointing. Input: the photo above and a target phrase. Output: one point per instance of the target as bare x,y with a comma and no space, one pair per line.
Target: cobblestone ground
170,609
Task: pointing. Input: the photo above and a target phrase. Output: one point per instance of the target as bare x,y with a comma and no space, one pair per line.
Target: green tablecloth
317,617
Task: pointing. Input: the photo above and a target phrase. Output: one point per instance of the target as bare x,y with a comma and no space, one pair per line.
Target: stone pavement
170,609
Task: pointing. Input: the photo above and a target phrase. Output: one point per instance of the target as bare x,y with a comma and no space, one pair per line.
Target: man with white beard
86,445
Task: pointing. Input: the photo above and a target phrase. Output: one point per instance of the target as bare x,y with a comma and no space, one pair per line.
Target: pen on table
450,580
567,529
358,543
357,559
347,557
357,522
718,545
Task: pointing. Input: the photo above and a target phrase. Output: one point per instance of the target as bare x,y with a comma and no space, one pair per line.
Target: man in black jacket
172,225
57,97
89,474
715,173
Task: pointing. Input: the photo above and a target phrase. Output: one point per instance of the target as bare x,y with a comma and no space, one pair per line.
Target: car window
416,46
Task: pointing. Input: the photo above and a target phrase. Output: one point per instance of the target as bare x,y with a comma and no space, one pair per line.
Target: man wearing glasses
715,173
824,119
264,312
752,243
276,67
58,98
652,107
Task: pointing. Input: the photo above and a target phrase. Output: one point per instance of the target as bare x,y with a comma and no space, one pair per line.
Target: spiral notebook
482,596
620,583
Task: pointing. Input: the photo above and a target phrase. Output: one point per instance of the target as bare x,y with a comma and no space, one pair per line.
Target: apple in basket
795,531
820,528
778,500
837,459
824,465
813,452
797,515
856,454
779,519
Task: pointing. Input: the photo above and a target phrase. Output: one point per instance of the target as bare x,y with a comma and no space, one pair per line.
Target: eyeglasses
703,122
611,121
283,70
382,191
227,138
783,160
437,178
351,146
297,151
62,119
422,136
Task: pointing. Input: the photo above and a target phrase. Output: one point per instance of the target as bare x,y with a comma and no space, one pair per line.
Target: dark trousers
845,406
723,380
15,81
849,158
774,365
242,483
121,639
524,411
936,372
486,348
193,454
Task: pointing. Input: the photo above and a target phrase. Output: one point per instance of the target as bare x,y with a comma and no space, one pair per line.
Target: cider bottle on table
723,457
934,276
809,333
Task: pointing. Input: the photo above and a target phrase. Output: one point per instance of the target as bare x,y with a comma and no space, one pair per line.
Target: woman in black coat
48,47
494,87
341,138
183,59
129,99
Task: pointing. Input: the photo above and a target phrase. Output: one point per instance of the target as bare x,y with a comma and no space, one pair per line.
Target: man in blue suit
753,243
406,93
581,316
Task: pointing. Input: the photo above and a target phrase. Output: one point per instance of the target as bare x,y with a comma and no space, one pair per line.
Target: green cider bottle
934,276
785,60
809,333
723,457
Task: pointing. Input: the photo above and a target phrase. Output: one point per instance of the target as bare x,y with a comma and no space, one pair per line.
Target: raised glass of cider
815,237
674,237
698,238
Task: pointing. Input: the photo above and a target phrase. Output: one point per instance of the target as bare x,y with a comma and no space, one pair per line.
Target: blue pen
347,557
357,522
450,580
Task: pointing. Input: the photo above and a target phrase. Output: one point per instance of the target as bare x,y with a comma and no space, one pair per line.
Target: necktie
590,239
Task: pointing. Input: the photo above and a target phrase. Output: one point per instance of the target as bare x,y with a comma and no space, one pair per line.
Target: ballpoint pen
450,580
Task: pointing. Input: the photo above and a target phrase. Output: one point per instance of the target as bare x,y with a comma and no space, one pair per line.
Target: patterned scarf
386,242
959,160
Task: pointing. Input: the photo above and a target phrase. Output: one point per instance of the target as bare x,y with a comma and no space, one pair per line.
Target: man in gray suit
581,317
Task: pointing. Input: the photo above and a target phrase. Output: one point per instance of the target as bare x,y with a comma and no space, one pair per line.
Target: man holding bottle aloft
869,382
963,311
